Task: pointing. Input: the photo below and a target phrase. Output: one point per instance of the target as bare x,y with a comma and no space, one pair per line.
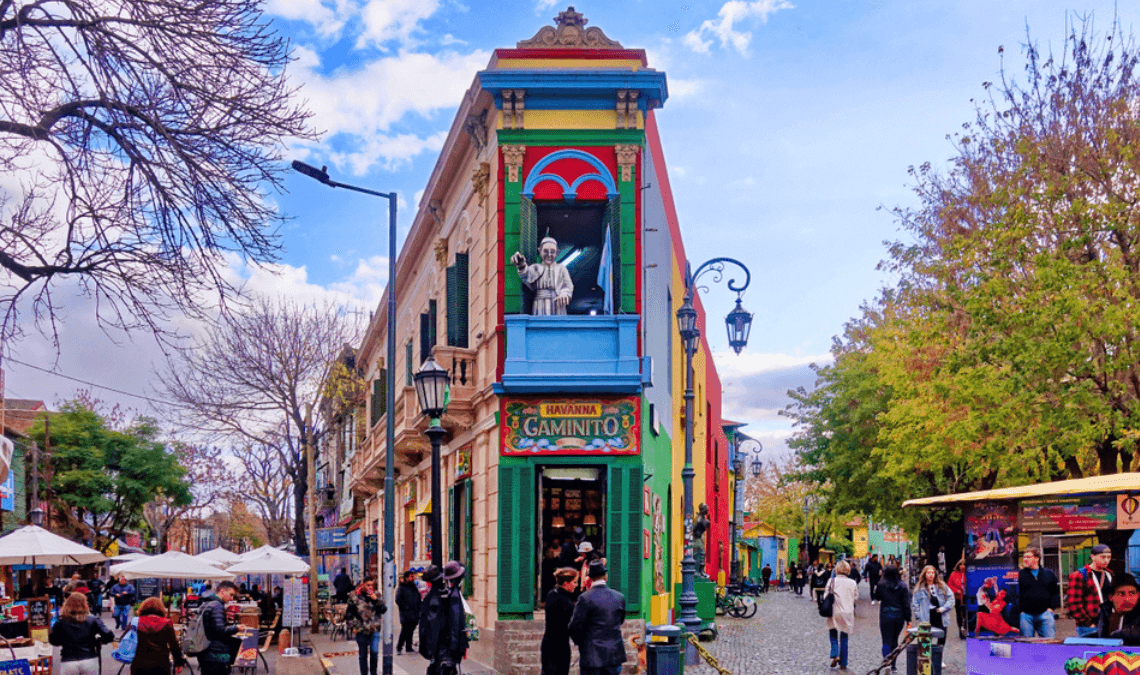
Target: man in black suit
596,625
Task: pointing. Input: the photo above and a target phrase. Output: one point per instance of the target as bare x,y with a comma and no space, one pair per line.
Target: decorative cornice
627,109
627,159
513,106
441,251
513,160
570,32
480,180
476,127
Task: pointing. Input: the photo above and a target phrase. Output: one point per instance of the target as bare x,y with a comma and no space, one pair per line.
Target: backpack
125,653
194,640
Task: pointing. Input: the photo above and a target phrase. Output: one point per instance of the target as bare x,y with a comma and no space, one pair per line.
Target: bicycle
734,605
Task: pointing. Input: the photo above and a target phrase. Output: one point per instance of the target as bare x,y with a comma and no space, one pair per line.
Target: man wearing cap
550,279
1088,590
596,625
443,629
1120,616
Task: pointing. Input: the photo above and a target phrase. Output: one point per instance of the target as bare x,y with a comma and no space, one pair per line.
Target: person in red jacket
157,645
957,584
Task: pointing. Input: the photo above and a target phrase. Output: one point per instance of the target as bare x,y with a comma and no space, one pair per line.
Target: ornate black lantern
431,388
687,323
757,466
739,323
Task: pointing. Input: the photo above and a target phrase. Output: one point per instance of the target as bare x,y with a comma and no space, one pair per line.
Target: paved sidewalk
340,658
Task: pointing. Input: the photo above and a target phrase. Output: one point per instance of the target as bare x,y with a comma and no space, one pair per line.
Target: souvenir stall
25,623
1082,512
294,611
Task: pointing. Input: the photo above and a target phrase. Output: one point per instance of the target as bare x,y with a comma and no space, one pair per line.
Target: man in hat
409,601
1120,616
443,629
1088,590
569,555
596,625
550,279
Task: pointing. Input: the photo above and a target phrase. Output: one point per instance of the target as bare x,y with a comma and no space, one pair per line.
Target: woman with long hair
841,623
932,600
894,608
80,637
157,646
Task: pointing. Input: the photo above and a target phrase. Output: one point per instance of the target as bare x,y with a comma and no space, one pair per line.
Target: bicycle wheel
738,606
751,606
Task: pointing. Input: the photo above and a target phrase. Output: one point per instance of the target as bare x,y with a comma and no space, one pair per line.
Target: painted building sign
1068,514
571,426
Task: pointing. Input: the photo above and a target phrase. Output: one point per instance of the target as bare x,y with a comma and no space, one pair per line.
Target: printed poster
1127,512
571,426
991,534
1068,514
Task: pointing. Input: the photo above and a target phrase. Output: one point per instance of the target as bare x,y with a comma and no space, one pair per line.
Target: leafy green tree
1007,353
105,477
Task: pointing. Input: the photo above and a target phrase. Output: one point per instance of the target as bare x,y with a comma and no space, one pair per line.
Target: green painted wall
15,519
657,458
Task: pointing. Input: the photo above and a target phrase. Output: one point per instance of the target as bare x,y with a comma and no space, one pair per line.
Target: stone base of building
518,647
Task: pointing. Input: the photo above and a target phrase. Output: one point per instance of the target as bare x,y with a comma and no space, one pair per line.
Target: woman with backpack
157,644
894,608
80,637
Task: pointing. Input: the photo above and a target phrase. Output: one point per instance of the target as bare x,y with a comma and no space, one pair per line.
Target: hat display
453,570
585,547
598,569
431,574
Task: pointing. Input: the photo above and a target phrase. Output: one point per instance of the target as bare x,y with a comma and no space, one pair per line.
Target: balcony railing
572,354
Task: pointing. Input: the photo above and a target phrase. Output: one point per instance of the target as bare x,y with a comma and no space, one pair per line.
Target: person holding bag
157,644
844,593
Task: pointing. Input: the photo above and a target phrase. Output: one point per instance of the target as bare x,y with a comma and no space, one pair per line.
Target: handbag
827,603
125,653
471,624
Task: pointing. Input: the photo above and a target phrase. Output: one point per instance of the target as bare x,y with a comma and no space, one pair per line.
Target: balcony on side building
571,354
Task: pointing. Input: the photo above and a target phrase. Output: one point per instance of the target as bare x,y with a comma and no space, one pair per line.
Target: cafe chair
338,622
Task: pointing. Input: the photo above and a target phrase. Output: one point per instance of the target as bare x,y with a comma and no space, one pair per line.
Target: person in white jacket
841,623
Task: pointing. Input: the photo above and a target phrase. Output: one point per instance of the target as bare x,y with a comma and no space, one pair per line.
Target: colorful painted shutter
623,534
457,302
425,337
452,532
469,526
612,220
409,355
528,230
516,539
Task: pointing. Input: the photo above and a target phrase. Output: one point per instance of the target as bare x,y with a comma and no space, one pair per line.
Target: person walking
80,637
957,584
595,625
408,600
1038,594
873,570
157,644
841,623
1086,590
343,585
556,637
443,634
932,601
219,655
765,577
793,576
894,609
363,614
124,594
96,599
819,580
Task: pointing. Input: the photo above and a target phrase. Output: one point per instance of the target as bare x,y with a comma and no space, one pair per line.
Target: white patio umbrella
272,551
219,557
130,557
31,545
271,563
170,565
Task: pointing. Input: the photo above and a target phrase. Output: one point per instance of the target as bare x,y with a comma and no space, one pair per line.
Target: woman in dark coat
894,608
559,609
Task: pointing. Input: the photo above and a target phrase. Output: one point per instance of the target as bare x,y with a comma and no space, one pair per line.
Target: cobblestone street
787,636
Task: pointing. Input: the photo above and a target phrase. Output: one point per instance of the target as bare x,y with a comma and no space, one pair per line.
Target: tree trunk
300,489
1107,453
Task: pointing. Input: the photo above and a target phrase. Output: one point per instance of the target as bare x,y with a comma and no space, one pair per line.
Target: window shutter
409,354
612,220
516,539
623,533
452,533
433,321
379,396
462,324
528,226
452,307
469,527
425,337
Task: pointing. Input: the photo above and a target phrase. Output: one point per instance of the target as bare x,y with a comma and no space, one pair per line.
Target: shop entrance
569,497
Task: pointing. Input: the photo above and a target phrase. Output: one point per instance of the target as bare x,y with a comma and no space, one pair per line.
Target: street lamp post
432,382
388,573
738,323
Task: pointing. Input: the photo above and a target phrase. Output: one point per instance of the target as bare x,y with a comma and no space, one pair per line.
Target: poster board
295,603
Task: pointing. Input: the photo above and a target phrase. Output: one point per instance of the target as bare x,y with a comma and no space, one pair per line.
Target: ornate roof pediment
569,32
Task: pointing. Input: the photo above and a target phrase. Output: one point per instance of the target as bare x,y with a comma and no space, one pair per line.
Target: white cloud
543,5
327,21
729,364
680,89
387,20
393,150
723,28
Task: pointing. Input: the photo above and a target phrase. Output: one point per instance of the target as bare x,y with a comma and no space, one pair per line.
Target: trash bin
935,653
663,650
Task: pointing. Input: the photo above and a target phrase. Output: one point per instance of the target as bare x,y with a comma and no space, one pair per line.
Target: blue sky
789,125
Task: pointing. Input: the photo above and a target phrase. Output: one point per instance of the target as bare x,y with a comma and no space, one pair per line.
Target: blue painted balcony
572,354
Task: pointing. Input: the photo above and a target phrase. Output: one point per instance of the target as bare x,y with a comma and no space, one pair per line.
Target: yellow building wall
859,536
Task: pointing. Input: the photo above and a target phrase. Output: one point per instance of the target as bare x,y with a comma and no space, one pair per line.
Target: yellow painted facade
573,119
585,64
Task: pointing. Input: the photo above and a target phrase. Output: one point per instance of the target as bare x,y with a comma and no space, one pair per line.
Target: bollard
923,657
663,650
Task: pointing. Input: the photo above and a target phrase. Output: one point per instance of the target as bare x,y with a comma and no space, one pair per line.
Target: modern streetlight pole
388,567
739,323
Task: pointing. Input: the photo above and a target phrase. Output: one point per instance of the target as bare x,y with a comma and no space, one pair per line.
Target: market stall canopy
35,545
130,557
267,562
272,550
1116,483
170,565
219,557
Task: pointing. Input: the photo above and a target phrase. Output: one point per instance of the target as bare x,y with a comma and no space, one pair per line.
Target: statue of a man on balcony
549,279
